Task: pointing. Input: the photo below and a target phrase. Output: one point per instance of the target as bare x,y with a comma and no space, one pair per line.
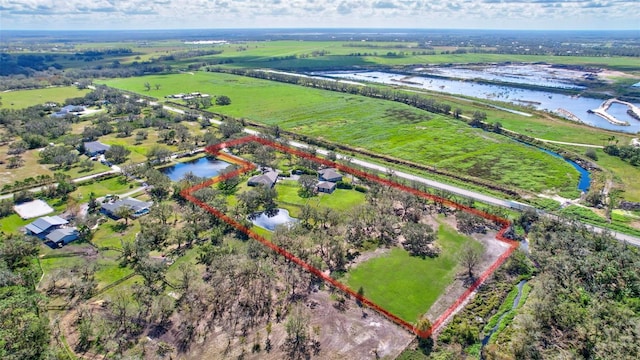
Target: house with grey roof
63,236
329,174
267,179
93,148
68,110
326,187
44,225
138,207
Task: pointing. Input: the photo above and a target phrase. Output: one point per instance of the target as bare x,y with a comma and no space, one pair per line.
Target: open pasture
382,126
20,99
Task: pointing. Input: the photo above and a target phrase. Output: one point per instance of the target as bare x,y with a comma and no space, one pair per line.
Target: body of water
540,100
516,301
585,177
206,167
270,222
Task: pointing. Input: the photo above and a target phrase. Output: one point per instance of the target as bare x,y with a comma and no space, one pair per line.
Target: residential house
63,236
330,175
68,110
94,148
267,179
41,227
138,207
326,187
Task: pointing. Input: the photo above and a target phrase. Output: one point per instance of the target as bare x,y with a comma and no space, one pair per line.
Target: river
538,99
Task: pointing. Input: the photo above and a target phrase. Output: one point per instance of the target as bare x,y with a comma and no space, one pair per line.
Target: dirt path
493,249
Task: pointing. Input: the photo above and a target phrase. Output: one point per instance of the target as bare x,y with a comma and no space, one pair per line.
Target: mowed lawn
340,199
20,99
405,285
382,126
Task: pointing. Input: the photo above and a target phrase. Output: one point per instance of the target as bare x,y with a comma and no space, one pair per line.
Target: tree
299,343
117,154
419,239
478,118
158,153
157,86
223,100
124,212
230,127
264,156
307,185
147,86
86,165
470,258
15,162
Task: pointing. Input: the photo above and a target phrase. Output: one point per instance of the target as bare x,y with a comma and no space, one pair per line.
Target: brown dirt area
611,75
355,333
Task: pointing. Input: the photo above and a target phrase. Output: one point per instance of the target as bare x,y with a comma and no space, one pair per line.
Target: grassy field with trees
179,282
407,285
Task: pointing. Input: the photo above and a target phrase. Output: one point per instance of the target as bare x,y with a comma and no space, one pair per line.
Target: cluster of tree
181,55
585,299
24,325
625,152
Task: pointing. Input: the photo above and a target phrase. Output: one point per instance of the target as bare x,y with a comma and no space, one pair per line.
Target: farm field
20,99
386,127
273,54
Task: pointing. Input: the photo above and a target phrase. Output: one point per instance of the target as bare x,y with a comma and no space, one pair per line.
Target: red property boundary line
246,166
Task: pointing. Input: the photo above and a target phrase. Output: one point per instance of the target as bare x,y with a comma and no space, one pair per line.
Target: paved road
440,185
114,169
432,183
570,143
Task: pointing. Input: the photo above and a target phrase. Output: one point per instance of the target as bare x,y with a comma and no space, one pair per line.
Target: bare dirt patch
611,75
355,333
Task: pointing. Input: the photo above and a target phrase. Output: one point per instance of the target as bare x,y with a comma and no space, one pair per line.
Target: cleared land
382,126
20,99
408,285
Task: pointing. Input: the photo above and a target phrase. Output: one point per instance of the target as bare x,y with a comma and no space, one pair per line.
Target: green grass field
106,236
21,99
101,188
405,285
340,199
381,126
270,55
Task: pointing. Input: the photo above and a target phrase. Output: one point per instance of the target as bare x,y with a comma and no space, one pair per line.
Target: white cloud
140,14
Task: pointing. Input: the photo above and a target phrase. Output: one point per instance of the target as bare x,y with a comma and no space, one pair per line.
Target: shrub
360,188
591,154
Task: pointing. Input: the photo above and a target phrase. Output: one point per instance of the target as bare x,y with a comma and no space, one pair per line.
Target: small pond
270,223
205,167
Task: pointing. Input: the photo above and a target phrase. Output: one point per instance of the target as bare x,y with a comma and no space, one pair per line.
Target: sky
428,14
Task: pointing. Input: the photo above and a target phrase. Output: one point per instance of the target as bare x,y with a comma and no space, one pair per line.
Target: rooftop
44,223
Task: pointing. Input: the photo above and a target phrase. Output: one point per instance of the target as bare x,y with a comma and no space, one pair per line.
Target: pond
270,222
206,167
538,99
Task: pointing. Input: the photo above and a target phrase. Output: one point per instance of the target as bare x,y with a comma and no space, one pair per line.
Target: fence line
247,166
